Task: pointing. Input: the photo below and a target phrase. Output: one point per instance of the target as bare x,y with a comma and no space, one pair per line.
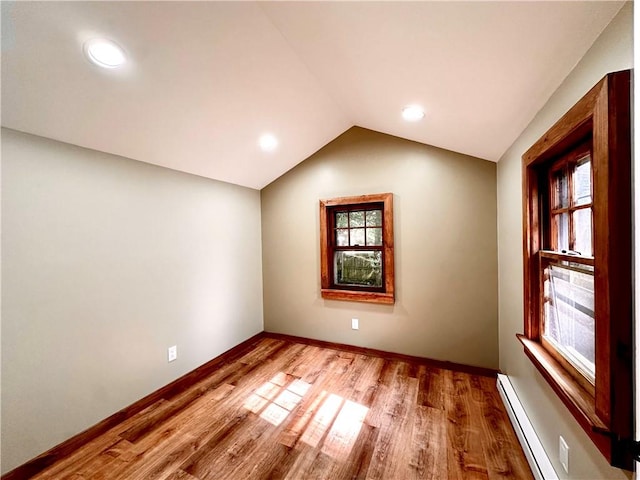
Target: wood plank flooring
288,410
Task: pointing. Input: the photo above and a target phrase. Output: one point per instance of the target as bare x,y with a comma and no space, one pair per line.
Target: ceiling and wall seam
207,79
347,115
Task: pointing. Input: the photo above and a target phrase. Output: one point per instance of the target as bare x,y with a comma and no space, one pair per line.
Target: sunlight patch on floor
322,420
275,400
330,419
345,430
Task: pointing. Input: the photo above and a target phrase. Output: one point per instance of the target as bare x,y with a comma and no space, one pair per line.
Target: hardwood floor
287,410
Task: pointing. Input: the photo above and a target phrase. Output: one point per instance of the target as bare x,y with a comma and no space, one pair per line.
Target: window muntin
567,309
558,216
358,228
571,204
356,248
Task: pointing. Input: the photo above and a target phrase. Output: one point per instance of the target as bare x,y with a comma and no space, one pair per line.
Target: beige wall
106,263
445,249
611,52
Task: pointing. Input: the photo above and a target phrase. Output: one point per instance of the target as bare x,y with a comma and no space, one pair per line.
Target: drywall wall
445,249
106,262
611,52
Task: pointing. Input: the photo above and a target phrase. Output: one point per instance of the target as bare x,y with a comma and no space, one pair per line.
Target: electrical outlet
172,353
563,453
355,324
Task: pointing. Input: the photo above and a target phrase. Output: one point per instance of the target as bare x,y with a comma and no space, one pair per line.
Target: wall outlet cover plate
563,454
172,353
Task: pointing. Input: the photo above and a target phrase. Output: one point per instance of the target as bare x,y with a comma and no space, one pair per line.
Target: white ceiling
206,79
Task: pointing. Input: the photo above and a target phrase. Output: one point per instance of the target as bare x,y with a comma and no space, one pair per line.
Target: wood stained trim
579,401
372,352
604,115
357,295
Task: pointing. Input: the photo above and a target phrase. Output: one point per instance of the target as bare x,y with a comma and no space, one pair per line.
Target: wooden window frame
567,163
384,294
603,114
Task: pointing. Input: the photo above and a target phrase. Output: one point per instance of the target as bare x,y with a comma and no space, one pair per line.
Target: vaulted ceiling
205,79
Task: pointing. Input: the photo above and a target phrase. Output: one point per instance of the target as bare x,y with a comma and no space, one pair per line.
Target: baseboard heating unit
536,456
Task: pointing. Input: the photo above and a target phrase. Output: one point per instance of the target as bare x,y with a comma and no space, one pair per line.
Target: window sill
353,296
580,403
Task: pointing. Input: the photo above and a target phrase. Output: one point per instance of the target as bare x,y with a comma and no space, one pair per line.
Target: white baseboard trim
533,450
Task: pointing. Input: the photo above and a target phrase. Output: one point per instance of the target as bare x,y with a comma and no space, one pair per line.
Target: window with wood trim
577,264
565,270
356,248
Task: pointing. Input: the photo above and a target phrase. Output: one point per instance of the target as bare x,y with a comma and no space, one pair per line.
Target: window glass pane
582,182
356,219
342,219
358,268
582,226
561,189
569,322
562,230
342,237
374,236
374,218
357,237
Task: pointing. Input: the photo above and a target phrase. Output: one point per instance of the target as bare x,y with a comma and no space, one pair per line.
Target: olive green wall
611,52
445,249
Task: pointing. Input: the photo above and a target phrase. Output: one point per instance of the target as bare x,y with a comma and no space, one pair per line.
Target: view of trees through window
358,248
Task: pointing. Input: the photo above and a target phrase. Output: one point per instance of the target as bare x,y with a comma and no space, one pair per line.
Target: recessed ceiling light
104,53
268,142
412,113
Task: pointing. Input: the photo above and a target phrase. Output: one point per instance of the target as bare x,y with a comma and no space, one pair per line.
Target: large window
356,248
577,264
565,269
